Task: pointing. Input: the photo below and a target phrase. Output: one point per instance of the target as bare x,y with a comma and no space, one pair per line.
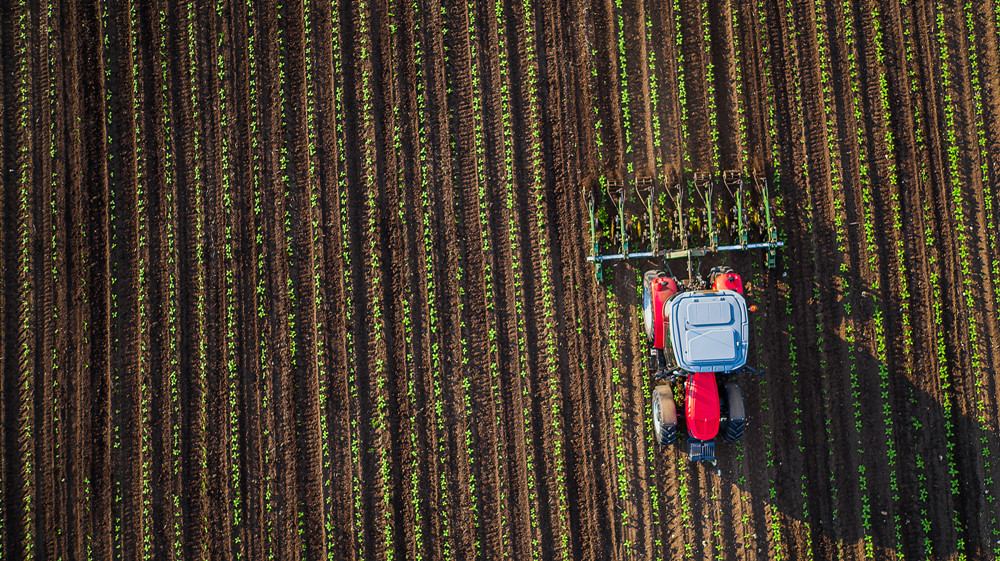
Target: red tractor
698,329
698,334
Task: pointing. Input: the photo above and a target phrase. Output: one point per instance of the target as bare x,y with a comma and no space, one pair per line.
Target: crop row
145,386
681,87
263,351
426,205
538,220
934,281
868,223
651,445
229,339
115,288
620,384
55,312
25,311
713,119
201,341
981,397
770,95
839,221
423,174
463,389
354,449
172,296
484,226
961,231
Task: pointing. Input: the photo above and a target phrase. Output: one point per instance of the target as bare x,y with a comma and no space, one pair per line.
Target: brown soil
308,280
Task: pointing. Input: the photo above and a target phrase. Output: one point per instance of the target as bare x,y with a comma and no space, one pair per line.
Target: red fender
662,288
728,281
701,405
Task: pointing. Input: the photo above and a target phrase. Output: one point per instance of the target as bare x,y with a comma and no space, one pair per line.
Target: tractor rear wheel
647,302
664,414
736,424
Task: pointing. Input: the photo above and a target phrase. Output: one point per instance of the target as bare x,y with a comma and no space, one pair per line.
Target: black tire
736,425
664,415
647,303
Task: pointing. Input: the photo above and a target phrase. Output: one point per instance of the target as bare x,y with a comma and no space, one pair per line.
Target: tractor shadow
819,456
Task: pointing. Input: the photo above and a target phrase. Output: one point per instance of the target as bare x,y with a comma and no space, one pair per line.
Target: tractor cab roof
709,330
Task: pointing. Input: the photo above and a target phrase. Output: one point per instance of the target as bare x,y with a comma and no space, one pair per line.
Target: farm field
307,280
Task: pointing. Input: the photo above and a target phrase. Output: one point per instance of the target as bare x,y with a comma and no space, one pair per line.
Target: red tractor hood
701,405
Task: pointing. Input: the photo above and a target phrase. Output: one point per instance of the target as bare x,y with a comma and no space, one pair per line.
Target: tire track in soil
123,177
890,270
190,168
426,288
758,447
489,161
465,124
570,266
163,293
339,288
439,526
219,531
640,162
532,211
732,112
517,531
542,99
445,224
227,534
283,319
332,344
855,172
944,499
792,128
259,393
397,336
976,284
942,531
575,273
825,318
76,349
620,159
57,264
506,230
667,469
98,423
410,180
598,398
917,349
47,409
143,507
702,107
366,181
302,263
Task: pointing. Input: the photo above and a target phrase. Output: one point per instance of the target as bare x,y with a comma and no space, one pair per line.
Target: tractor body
700,337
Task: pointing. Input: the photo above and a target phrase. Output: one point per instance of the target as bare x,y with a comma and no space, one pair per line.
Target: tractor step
701,450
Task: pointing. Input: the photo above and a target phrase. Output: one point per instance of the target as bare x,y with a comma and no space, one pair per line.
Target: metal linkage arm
682,253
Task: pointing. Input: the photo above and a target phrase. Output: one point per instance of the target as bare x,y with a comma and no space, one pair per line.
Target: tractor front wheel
647,302
664,414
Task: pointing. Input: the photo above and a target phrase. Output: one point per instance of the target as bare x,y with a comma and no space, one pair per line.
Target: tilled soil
307,280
